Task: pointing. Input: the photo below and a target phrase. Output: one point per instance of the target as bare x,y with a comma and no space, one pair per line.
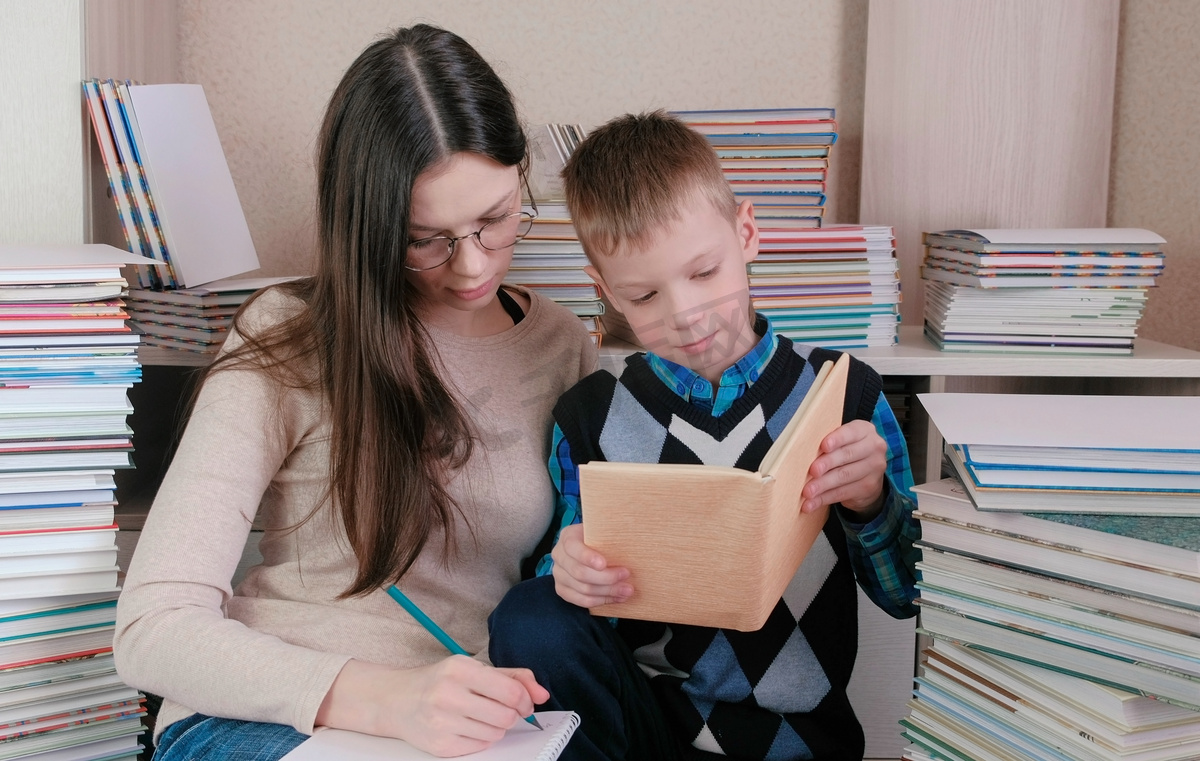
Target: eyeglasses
497,235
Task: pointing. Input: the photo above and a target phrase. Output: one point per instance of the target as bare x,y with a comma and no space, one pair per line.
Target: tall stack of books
836,287
550,258
1045,291
777,158
177,205
1060,581
67,360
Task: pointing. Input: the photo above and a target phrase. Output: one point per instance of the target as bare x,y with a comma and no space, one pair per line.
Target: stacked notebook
67,360
1061,635
193,320
777,158
550,259
836,287
1089,454
1045,291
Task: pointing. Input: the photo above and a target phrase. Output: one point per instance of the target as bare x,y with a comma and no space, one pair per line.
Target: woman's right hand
453,707
582,576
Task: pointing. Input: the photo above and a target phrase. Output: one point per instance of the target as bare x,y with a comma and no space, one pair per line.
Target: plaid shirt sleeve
882,551
564,474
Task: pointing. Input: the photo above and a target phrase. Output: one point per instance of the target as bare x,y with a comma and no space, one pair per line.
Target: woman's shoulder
269,307
552,315
261,313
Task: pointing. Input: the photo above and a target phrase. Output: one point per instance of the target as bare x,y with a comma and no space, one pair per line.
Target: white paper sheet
1122,422
81,255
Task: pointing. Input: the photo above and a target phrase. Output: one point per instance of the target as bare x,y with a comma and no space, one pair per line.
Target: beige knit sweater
270,650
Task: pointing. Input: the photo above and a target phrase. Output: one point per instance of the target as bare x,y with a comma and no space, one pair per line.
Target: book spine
116,185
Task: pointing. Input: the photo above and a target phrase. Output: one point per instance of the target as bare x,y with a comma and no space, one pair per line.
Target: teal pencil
436,631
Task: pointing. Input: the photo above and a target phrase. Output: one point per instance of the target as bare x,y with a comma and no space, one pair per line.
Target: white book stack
1061,629
67,360
550,258
1061,291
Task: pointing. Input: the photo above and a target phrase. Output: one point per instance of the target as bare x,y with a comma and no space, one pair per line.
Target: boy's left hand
849,470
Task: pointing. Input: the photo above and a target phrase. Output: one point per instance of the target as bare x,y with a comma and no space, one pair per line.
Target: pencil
436,631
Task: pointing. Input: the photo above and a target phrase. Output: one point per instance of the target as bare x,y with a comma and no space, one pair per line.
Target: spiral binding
562,734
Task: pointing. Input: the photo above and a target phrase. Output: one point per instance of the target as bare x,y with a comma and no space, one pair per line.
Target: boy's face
685,294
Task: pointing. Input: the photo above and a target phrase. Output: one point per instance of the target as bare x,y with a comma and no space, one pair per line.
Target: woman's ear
747,231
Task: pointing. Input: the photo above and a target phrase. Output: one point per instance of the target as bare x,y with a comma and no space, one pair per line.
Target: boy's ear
595,275
747,231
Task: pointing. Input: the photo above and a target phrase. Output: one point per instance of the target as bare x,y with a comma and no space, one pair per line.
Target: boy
668,245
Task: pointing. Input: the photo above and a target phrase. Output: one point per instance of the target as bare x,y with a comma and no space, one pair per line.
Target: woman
385,421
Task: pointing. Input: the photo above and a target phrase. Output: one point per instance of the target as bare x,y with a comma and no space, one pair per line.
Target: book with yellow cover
710,545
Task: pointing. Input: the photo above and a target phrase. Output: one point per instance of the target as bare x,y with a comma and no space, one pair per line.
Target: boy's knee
529,603
532,617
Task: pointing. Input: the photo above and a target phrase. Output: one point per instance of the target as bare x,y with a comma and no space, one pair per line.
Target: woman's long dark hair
407,102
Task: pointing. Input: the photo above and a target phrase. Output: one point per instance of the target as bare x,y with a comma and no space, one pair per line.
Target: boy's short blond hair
633,176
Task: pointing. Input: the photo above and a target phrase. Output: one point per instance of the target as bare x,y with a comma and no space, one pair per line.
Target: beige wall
268,66
1155,178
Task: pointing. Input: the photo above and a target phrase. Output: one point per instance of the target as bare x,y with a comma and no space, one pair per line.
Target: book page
523,742
818,396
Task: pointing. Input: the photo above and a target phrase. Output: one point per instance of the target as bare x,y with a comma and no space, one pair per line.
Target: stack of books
1061,630
178,206
1045,291
777,158
836,287
550,259
193,320
67,361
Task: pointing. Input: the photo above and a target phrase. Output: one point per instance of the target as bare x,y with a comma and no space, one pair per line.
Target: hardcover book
709,545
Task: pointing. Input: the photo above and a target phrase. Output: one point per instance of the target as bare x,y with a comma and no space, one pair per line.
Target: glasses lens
427,254
505,231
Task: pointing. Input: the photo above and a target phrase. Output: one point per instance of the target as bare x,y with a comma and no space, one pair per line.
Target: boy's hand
581,575
849,470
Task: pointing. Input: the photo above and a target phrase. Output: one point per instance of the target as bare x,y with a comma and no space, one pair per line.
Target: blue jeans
587,668
207,738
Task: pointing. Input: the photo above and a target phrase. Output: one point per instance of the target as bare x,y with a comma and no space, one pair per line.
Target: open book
523,742
711,545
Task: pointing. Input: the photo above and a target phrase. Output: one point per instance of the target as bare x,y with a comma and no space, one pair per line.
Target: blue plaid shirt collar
692,388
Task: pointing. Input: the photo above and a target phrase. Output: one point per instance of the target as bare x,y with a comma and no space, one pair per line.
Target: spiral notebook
523,742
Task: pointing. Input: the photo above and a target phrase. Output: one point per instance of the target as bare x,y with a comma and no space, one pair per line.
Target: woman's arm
174,639
172,636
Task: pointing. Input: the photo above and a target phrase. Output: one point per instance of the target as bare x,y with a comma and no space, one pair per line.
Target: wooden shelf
916,355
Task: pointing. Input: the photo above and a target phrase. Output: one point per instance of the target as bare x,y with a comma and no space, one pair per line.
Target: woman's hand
582,576
449,708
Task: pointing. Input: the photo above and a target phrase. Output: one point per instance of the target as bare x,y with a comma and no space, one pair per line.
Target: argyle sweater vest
779,692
